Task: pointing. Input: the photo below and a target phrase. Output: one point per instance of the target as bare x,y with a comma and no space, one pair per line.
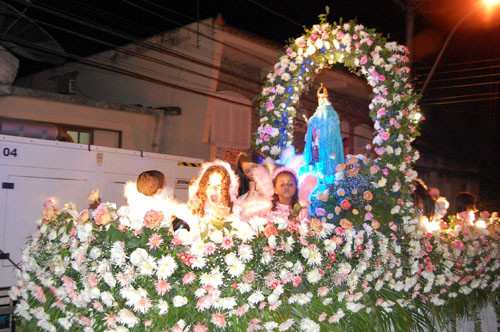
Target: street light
488,3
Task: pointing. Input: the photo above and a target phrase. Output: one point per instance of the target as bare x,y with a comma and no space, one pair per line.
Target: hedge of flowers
360,263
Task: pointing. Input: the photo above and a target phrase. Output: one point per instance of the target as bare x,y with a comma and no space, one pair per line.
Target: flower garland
394,109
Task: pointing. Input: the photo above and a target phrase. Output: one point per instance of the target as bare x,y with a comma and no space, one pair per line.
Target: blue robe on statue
326,124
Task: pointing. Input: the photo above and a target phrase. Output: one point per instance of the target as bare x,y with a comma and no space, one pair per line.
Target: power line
461,96
460,70
463,101
276,13
463,85
459,63
141,56
115,69
463,78
145,44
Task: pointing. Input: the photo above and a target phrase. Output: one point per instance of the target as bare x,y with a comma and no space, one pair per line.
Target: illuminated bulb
481,223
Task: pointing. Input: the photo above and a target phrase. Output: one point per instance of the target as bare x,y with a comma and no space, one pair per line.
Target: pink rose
363,60
320,212
153,219
367,195
345,204
314,36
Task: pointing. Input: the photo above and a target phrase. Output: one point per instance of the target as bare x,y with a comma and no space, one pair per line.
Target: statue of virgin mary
323,133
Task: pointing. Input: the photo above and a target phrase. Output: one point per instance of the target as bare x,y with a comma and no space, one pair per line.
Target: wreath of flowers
394,109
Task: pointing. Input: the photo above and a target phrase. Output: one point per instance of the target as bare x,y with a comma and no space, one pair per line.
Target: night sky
460,104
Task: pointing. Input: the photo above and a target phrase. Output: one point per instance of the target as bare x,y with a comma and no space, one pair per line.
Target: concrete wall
137,129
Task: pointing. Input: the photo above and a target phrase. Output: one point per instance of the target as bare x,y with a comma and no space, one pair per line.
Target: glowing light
480,223
491,2
472,217
430,226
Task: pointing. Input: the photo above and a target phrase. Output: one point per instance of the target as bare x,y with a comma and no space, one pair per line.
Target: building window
94,136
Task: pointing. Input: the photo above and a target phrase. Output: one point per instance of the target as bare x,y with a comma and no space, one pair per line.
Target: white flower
138,256
245,252
127,317
163,306
165,267
179,301
199,262
275,150
286,325
244,288
308,325
314,258
236,268
313,276
270,326
216,236
256,297
107,298
228,303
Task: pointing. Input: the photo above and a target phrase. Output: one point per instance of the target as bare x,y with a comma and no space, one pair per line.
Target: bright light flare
430,226
490,3
480,223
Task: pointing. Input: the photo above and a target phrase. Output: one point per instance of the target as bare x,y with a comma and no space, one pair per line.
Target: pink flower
289,51
153,219
314,36
379,301
39,294
227,243
249,277
162,287
242,310
218,320
381,78
200,328
300,42
459,245
254,325
155,241
296,281
323,291
203,303
381,112
92,280
346,224
269,106
269,130
320,212
322,317
188,278
384,135
176,328
345,204
142,305
209,248
339,231
48,202
109,320
363,60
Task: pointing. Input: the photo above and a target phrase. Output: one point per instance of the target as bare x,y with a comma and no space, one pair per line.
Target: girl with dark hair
286,193
430,209
245,166
465,207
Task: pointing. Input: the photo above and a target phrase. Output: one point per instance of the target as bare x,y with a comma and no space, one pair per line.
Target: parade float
363,261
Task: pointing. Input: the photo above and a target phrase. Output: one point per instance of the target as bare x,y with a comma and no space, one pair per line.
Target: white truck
33,170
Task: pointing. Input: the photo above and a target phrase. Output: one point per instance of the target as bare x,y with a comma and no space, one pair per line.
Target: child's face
247,168
285,186
214,187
